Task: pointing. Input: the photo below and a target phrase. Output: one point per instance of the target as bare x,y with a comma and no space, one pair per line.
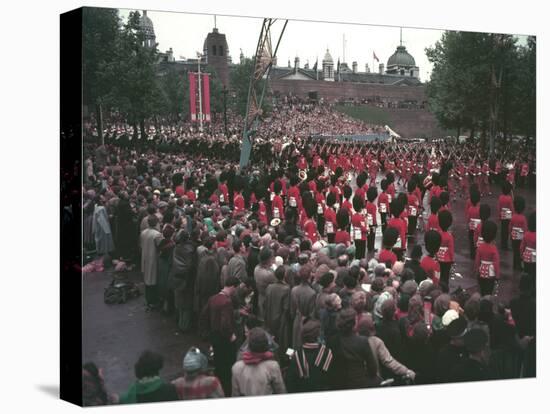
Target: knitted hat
194,361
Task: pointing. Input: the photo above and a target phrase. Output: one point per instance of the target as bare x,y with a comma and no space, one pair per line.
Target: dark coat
471,370
354,364
183,273
277,313
389,332
207,282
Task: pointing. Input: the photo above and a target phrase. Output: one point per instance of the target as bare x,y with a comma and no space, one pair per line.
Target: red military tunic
360,228
330,220
310,230
518,226
505,207
432,269
487,261
386,256
446,253
528,247
401,227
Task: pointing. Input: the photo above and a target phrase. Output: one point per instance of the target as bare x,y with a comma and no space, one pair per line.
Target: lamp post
199,56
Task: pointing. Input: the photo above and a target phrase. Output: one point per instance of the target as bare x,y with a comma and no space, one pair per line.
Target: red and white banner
196,108
206,97
193,96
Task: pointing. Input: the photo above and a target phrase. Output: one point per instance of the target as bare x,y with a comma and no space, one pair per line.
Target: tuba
302,175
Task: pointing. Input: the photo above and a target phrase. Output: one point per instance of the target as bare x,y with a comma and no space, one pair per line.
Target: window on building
412,73
214,50
221,50
402,72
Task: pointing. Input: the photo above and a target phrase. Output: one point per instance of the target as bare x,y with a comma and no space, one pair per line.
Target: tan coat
257,379
149,240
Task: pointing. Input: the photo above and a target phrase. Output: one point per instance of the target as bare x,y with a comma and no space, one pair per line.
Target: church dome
328,58
147,24
401,58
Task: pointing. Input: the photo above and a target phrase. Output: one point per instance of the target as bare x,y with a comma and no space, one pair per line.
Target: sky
185,34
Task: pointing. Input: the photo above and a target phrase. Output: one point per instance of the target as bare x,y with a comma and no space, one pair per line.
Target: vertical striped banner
193,96
206,96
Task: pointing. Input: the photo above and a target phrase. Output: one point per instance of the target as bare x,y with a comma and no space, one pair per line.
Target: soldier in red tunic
446,252
518,227
400,246
484,215
384,203
342,234
277,207
433,221
330,218
310,226
372,193
487,261
505,208
294,200
528,247
413,207
386,255
359,226
432,242
472,218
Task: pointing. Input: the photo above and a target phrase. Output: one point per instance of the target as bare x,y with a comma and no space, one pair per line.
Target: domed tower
215,52
402,63
328,67
147,27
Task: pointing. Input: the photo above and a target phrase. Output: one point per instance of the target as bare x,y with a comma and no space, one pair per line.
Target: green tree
240,83
174,89
100,32
523,97
472,82
135,92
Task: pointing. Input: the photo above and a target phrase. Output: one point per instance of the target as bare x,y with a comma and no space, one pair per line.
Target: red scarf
251,358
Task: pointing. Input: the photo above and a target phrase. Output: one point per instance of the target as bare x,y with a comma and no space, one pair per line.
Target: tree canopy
483,82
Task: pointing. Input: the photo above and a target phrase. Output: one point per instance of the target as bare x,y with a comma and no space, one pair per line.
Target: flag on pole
374,56
315,66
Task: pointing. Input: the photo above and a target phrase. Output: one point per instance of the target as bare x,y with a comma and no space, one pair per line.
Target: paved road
114,336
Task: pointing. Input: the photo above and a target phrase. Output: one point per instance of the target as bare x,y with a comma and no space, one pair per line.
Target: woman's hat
194,361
